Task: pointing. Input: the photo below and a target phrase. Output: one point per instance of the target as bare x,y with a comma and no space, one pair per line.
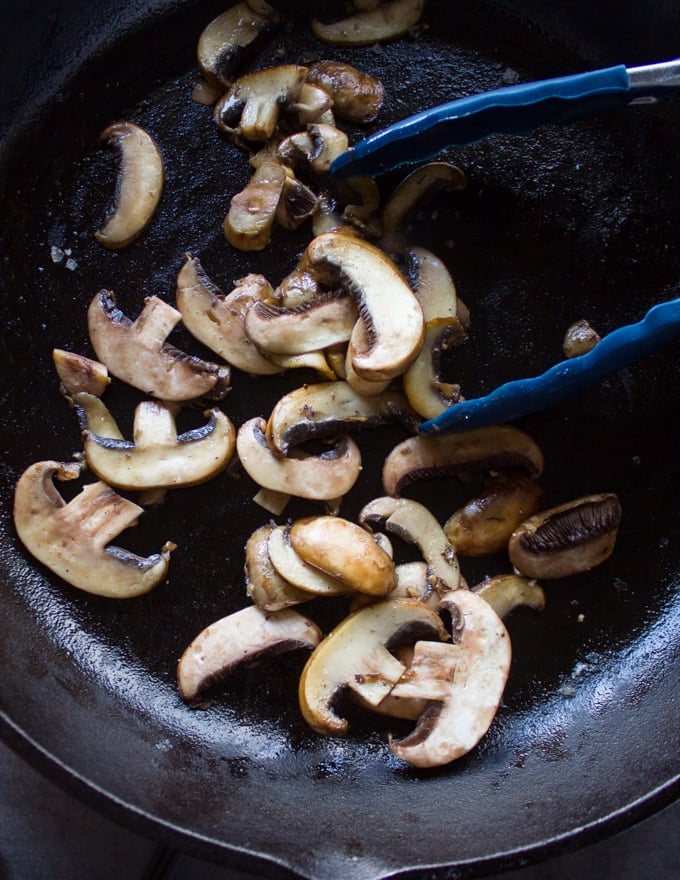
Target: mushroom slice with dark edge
321,477
432,284
417,190
415,524
71,538
316,148
453,725
505,592
387,21
392,317
356,655
296,204
289,565
324,321
345,551
327,408
80,373
138,187
240,637
156,457
422,382
484,525
264,585
357,96
218,321
137,353
568,539
251,213
501,447
251,107
228,39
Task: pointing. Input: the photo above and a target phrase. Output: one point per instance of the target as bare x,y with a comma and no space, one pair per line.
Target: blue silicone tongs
516,109
520,397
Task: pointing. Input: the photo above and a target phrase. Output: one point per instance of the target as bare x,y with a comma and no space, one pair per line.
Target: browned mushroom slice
393,321
317,147
345,551
385,22
501,447
264,584
316,477
311,326
484,525
72,538
156,457
356,655
137,353
422,382
568,539
328,408
312,103
249,221
579,339
241,637
80,373
296,204
418,189
357,96
218,321
297,571
454,724
505,592
139,184
251,107
228,39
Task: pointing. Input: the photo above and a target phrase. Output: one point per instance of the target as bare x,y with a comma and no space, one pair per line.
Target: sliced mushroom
327,408
325,321
417,190
139,184
296,204
484,525
415,524
432,284
345,551
422,382
71,538
505,592
297,571
355,655
579,339
500,447
264,584
357,96
385,22
156,457
308,360
392,329
228,39
362,197
312,103
453,725
137,353
317,147
273,502
80,373
249,220
240,637
252,105
317,477
568,539
218,321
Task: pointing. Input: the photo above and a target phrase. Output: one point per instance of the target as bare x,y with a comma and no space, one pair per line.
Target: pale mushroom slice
157,456
505,592
500,447
137,352
79,373
356,655
139,184
414,523
218,320
264,584
72,538
226,42
312,105
328,408
356,96
345,551
568,539
241,637
322,477
392,330
453,725
252,105
386,21
290,566
251,214
312,326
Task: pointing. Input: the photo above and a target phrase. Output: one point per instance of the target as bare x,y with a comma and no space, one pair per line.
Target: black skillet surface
565,224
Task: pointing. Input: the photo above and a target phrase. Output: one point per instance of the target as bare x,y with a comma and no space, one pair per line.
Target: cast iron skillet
561,225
